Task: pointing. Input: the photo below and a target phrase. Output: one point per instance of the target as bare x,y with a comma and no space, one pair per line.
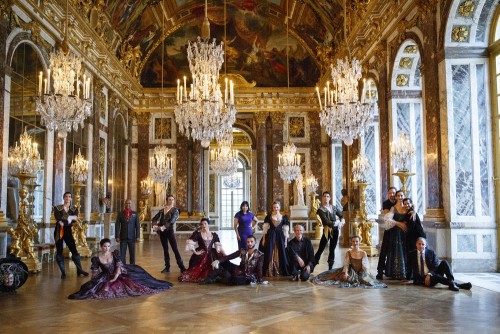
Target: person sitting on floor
300,255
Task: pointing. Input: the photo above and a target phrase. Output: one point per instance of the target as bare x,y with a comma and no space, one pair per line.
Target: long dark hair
242,205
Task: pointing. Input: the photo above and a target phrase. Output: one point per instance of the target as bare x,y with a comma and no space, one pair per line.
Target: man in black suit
127,231
301,255
426,269
386,207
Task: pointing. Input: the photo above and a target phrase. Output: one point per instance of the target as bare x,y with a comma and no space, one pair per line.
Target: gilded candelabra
23,235
79,172
31,186
402,153
364,225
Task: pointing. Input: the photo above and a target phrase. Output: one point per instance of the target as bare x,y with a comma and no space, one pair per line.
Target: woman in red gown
206,247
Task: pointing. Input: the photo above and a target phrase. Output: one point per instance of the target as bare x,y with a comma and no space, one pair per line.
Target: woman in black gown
396,226
112,279
273,243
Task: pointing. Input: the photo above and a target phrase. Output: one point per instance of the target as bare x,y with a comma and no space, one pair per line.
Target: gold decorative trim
402,80
460,34
411,49
278,118
466,8
238,80
405,62
261,117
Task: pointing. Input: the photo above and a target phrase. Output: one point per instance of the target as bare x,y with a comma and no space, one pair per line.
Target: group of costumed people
275,255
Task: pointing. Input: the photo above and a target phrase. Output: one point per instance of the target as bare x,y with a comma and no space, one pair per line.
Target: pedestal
298,211
34,266
370,250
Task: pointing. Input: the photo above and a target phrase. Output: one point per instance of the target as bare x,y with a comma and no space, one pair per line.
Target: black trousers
334,239
68,239
166,237
443,274
123,250
383,253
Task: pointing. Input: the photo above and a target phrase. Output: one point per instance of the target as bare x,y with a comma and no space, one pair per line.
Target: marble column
94,149
278,119
260,120
181,175
197,180
431,105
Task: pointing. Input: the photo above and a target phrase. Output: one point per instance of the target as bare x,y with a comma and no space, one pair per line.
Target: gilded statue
79,231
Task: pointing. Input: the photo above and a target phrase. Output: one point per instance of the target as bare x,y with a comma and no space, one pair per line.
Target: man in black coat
327,213
386,207
127,231
426,269
301,255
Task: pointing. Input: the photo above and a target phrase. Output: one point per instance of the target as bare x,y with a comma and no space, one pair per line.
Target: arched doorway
227,192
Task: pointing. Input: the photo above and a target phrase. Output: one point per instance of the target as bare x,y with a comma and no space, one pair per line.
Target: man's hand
300,261
427,281
402,226
215,264
308,269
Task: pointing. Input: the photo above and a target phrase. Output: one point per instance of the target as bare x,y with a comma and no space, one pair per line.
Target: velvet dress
200,265
357,269
274,249
244,227
132,281
395,264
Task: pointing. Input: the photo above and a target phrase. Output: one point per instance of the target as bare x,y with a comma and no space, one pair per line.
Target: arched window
407,116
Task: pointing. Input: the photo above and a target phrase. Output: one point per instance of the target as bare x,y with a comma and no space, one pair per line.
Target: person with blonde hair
274,242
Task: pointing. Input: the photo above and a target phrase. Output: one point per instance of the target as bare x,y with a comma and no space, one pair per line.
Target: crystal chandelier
289,163
160,165
79,169
343,116
223,159
312,183
204,113
63,99
24,158
147,186
232,181
360,168
402,153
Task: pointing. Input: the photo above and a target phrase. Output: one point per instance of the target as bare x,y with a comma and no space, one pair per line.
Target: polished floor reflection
41,306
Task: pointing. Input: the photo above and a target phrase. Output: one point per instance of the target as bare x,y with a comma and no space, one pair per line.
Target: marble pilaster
431,102
197,180
181,175
59,172
143,120
94,151
262,170
277,121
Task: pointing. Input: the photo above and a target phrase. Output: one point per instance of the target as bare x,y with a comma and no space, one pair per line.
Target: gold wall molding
261,117
460,34
466,8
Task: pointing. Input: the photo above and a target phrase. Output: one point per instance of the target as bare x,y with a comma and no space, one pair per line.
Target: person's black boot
60,263
465,286
181,266
166,270
78,264
330,265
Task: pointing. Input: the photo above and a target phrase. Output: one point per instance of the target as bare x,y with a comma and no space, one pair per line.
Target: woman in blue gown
273,243
244,222
396,226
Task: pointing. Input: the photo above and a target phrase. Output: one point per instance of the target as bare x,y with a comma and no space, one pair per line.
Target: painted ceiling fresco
256,34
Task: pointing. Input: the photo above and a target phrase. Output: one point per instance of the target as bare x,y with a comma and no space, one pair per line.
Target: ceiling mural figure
256,49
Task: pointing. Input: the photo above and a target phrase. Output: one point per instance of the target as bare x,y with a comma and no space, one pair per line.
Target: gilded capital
143,118
261,117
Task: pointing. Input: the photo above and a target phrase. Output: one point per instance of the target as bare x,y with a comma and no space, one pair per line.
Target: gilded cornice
49,17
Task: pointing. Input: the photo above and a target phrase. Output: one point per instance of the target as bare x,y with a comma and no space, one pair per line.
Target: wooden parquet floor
41,306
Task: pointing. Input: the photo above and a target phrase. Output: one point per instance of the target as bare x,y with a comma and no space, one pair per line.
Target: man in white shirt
427,270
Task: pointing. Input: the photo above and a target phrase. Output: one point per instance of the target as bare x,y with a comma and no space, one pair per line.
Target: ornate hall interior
102,98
